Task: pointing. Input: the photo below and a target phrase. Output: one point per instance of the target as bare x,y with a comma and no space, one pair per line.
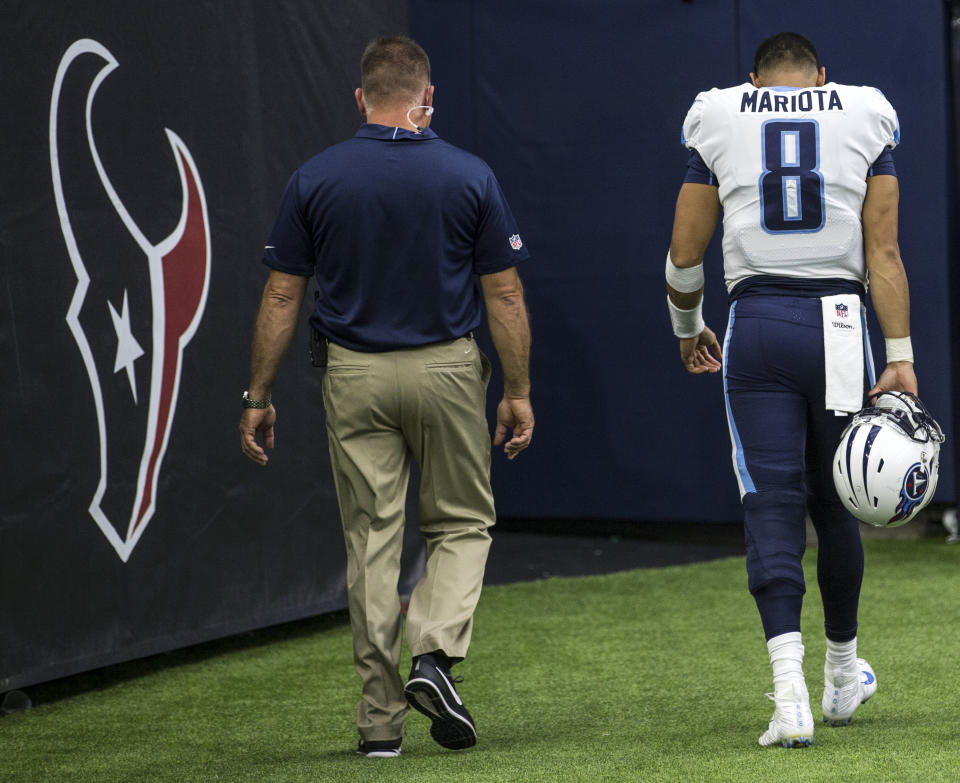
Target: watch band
250,403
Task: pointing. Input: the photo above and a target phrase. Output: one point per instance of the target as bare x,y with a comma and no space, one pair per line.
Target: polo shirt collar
389,133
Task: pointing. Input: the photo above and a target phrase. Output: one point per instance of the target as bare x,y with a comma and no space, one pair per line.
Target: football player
802,171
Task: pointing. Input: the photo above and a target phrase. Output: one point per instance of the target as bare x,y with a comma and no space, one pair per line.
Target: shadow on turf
701,541
512,563
109,676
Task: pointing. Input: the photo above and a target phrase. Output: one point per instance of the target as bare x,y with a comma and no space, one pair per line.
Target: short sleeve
690,133
883,164
698,172
887,116
290,246
498,244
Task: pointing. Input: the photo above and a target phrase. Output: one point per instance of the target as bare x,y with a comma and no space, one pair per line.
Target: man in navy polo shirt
397,226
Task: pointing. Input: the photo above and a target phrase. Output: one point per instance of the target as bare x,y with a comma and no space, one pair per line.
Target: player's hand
897,376
695,352
252,421
514,413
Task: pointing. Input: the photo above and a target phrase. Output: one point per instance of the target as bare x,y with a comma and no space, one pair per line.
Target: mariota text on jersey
805,100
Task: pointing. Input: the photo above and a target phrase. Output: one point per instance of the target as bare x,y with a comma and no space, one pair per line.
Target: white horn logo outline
179,286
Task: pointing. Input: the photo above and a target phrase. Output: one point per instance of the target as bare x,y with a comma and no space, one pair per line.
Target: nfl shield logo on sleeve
842,311
515,242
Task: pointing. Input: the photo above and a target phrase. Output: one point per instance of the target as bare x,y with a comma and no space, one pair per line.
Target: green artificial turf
648,675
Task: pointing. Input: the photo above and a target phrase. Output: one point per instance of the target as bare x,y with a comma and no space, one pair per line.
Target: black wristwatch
248,403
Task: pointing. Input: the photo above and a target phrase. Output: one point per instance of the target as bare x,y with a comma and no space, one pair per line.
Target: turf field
648,675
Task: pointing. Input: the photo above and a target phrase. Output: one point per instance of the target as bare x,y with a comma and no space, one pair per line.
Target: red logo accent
185,270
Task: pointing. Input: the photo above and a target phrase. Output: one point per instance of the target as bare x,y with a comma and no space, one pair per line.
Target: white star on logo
128,349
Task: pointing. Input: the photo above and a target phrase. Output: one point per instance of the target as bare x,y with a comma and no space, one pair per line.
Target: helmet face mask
885,468
905,411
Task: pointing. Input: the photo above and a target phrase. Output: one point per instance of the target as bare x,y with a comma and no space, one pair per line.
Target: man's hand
897,376
695,352
514,413
256,420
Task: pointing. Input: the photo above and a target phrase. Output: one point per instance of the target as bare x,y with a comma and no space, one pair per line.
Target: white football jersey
792,165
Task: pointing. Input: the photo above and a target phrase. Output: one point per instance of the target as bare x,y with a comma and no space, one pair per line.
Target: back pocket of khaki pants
450,365
347,369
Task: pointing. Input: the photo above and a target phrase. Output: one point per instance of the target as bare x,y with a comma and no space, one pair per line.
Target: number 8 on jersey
791,185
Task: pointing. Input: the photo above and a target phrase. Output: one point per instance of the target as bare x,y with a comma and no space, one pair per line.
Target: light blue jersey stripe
867,352
739,461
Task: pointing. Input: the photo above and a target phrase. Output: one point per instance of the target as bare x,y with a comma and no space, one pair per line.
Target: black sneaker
379,749
430,691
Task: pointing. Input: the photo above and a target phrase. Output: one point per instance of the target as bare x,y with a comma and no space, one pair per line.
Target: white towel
843,352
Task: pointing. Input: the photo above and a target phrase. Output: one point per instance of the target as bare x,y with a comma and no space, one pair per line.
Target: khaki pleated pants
383,409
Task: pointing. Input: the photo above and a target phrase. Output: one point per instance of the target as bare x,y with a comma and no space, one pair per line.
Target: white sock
786,657
842,656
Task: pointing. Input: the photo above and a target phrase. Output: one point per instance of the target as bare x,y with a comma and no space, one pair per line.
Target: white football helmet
886,466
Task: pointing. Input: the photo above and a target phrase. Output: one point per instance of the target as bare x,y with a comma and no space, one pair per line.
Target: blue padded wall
577,106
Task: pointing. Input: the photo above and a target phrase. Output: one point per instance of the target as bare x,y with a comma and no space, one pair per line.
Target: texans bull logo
136,305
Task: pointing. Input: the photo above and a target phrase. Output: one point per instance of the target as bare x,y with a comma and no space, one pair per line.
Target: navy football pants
783,445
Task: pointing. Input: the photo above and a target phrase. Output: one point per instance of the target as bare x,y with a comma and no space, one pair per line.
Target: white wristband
686,323
686,280
899,349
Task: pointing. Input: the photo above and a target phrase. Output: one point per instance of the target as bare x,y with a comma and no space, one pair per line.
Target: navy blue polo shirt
395,225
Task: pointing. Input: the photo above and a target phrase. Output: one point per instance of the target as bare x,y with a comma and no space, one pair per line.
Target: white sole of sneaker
449,729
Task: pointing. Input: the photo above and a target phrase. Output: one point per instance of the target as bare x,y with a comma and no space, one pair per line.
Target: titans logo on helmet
912,492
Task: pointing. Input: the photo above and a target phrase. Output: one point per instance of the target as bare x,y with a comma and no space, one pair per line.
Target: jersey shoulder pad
705,106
